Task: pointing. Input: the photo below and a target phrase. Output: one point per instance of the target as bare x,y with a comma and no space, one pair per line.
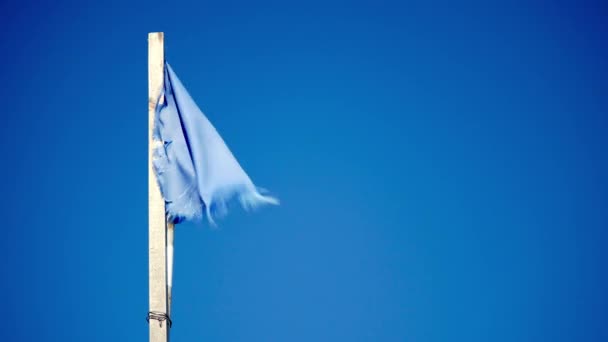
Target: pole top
156,35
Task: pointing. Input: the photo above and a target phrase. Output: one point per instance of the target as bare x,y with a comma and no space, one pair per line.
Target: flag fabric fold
196,172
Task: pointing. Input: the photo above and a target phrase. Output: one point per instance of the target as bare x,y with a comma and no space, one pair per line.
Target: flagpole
170,235
158,316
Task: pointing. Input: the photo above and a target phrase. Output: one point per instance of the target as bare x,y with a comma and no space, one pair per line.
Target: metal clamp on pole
160,317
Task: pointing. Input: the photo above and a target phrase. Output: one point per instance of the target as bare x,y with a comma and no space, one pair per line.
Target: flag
196,172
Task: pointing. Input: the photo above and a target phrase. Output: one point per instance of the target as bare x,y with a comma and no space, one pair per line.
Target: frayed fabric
196,172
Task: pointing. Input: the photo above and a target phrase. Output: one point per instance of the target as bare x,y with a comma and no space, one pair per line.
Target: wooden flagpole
158,316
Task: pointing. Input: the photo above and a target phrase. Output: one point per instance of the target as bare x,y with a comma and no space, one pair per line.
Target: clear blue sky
442,170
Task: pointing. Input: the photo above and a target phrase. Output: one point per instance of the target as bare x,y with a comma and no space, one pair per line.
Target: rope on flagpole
160,317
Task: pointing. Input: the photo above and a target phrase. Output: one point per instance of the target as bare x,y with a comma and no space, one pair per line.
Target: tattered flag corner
196,172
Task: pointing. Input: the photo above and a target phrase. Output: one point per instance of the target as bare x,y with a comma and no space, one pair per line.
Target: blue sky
442,170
